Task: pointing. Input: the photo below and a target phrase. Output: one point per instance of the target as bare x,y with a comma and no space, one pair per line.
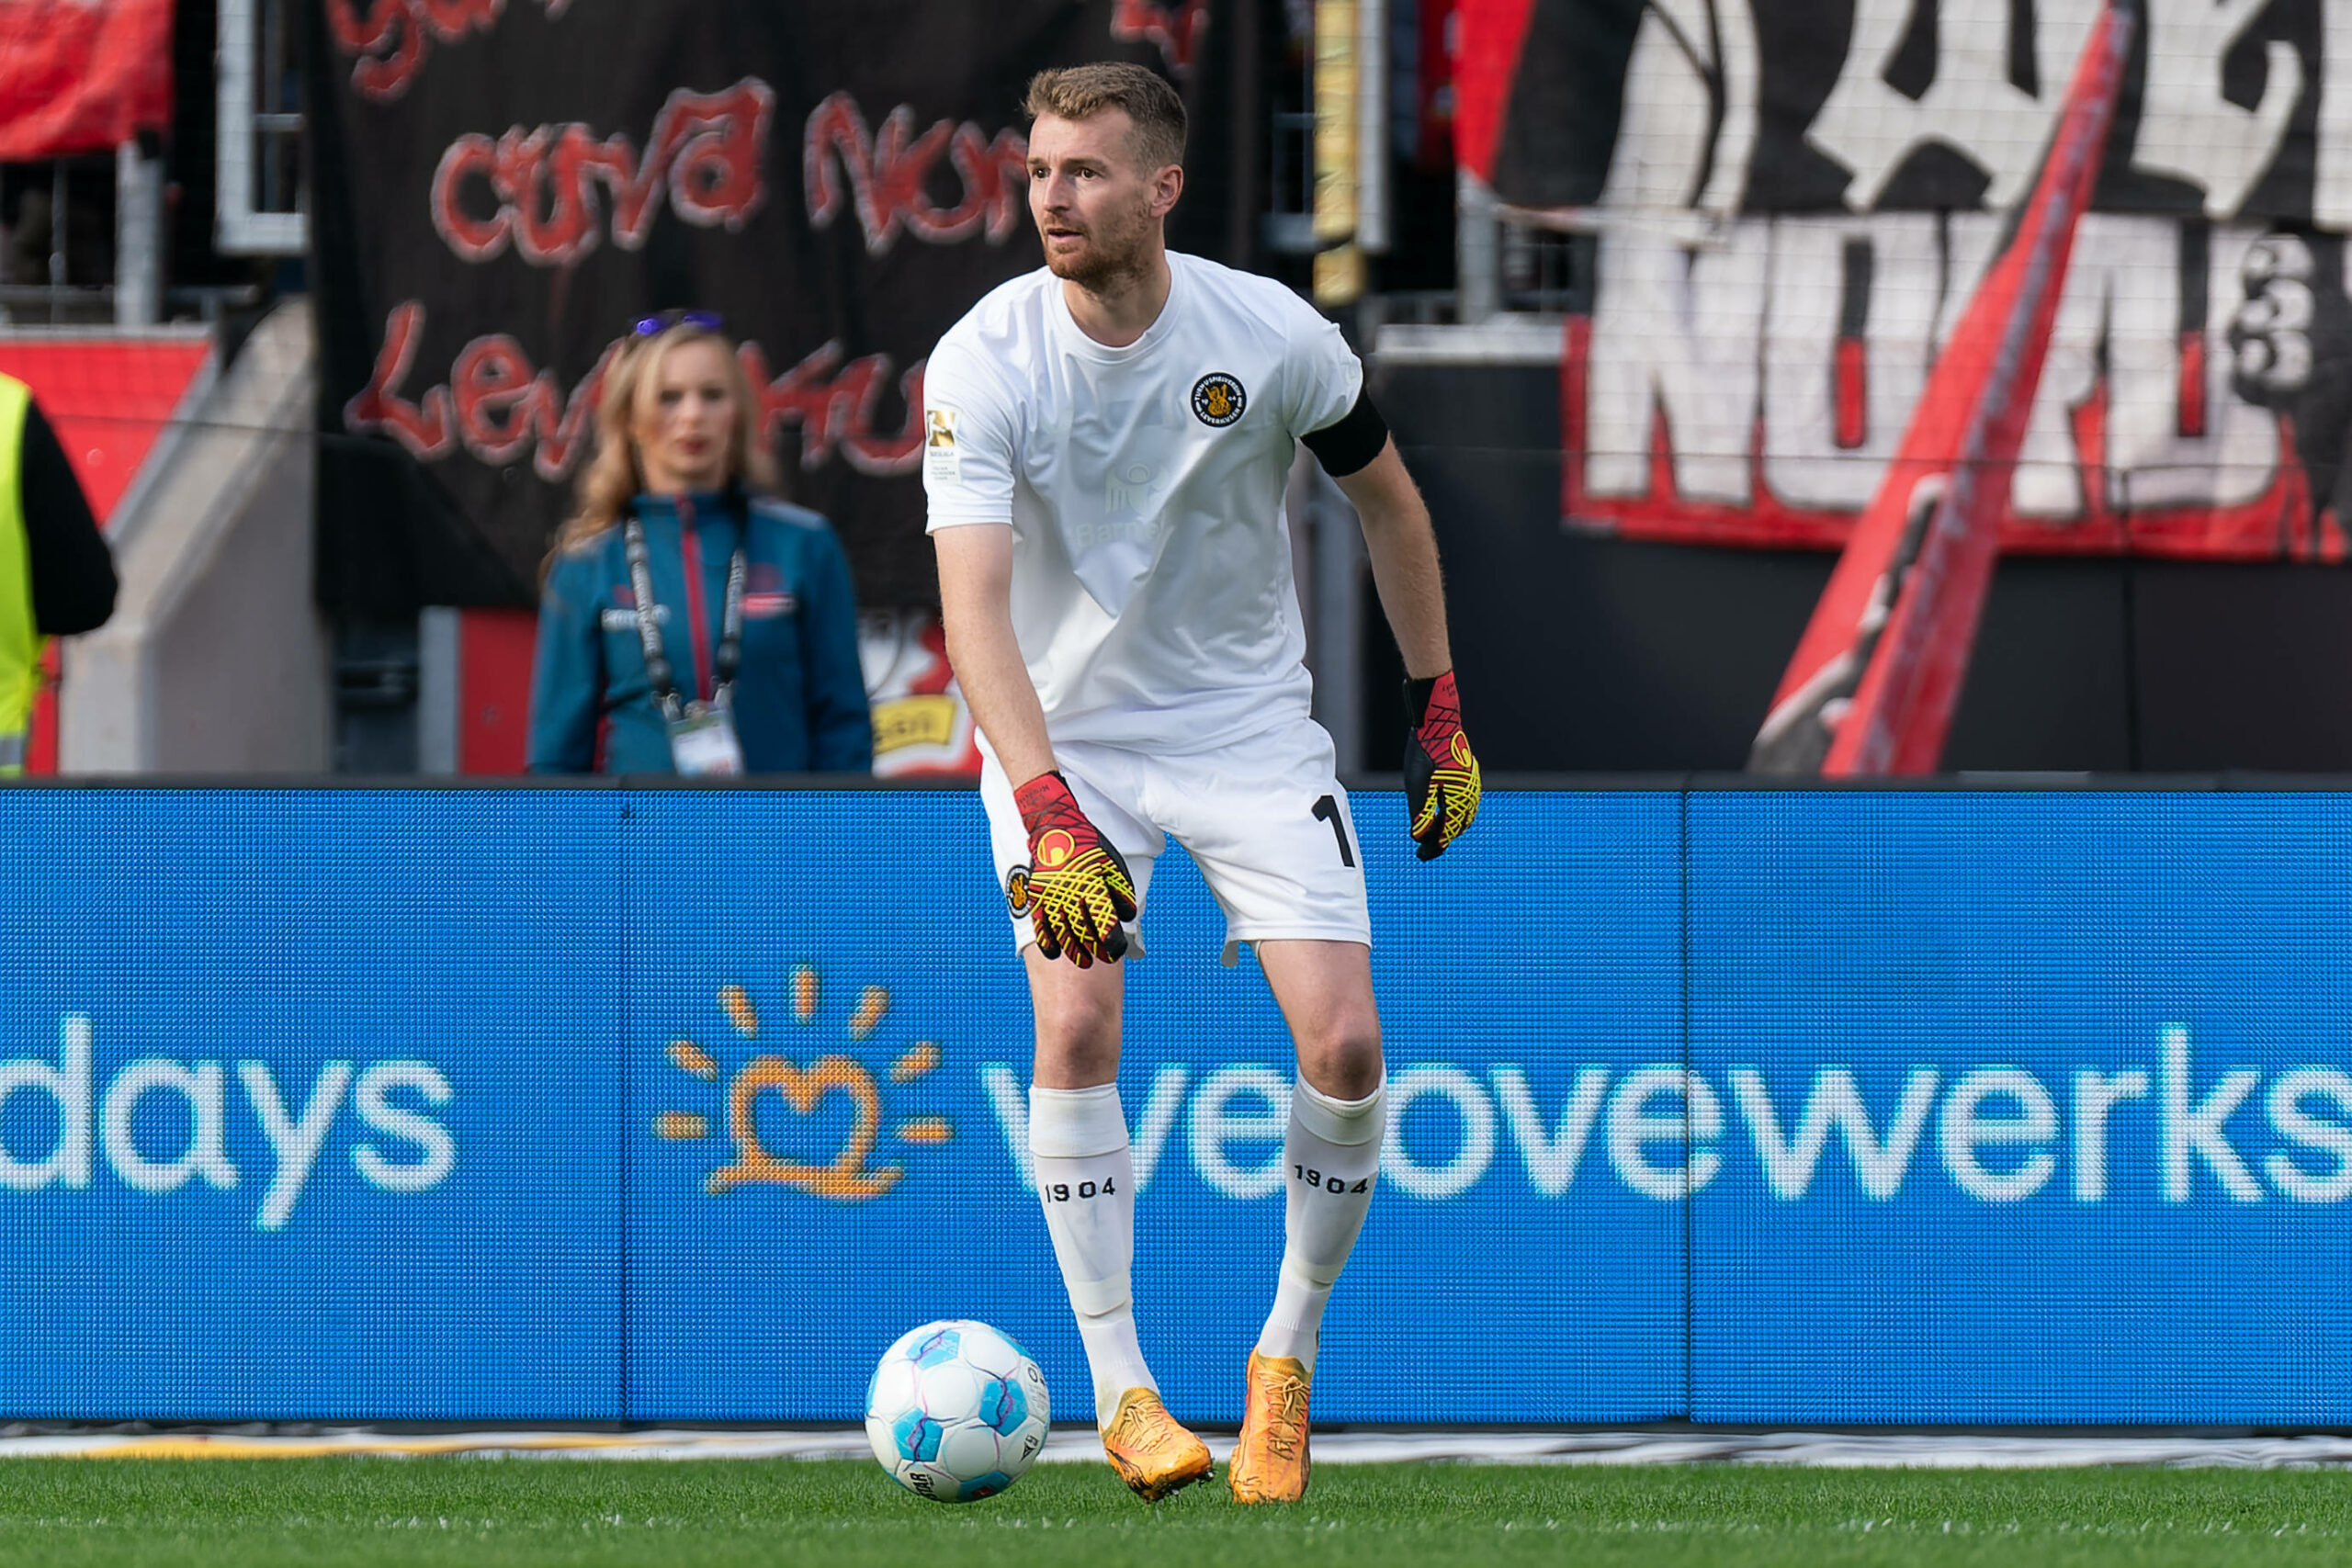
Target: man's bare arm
976,609
1397,537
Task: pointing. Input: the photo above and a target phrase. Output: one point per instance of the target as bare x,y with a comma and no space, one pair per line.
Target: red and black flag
1790,213
1875,677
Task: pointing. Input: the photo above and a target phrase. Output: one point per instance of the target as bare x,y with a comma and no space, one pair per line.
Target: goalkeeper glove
1075,888
1440,775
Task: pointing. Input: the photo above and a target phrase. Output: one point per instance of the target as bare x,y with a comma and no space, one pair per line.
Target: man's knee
1340,1053
1078,1032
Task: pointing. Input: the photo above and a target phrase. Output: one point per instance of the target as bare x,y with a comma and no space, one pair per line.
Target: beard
1112,252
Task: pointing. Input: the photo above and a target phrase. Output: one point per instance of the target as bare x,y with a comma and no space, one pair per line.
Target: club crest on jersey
1218,400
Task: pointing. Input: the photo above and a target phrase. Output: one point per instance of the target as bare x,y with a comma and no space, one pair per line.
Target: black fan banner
503,186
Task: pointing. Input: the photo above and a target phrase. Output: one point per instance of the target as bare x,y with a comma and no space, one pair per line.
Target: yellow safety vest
20,640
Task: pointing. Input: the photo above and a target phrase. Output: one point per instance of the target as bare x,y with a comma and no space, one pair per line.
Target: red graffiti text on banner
834,405
391,38
704,151
497,407
888,177
422,427
1174,29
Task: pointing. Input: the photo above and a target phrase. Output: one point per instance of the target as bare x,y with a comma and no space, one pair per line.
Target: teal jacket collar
728,503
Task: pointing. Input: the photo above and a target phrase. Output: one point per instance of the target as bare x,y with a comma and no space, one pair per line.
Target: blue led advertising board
680,1105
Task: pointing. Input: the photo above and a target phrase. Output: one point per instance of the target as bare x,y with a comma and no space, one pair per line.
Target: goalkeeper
1105,446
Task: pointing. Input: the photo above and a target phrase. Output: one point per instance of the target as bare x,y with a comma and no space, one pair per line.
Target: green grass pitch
713,1514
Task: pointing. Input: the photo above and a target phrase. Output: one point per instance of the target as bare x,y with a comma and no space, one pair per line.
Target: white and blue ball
957,1411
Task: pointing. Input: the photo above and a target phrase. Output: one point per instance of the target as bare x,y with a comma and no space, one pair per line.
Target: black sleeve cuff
1417,700
1352,442
72,570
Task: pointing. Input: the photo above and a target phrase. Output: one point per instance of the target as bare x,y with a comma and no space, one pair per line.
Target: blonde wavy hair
614,476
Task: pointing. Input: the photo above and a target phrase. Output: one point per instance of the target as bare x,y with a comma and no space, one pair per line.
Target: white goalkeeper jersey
1152,593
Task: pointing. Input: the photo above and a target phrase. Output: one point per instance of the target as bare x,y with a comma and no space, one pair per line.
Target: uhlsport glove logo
1075,889
1441,772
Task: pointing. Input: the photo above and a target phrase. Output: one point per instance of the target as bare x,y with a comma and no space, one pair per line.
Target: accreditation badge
703,744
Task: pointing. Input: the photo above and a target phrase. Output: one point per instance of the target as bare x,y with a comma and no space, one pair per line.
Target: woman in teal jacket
746,660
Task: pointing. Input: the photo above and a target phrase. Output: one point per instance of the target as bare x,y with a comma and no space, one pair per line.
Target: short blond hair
1081,92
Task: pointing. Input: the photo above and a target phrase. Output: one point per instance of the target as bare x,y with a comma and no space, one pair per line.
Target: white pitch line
1077,1445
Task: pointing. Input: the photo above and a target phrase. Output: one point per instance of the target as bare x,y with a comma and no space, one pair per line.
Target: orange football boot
1152,1454
1270,1462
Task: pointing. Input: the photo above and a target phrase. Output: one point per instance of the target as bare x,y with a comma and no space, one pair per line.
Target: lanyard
659,671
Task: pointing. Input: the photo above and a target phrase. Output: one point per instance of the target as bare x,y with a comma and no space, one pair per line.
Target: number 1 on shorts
1328,809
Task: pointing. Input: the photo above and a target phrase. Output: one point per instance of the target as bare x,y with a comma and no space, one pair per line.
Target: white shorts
1265,819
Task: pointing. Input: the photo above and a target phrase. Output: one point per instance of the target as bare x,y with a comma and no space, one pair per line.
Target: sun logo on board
857,1170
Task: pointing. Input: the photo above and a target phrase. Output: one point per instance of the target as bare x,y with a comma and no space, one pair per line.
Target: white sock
1331,1163
1077,1146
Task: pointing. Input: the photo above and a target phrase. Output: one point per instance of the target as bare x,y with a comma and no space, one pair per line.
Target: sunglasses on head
707,320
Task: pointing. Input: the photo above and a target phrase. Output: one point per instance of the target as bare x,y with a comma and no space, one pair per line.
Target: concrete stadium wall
217,659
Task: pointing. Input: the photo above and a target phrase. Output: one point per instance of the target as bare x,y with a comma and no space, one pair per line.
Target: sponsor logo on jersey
1218,400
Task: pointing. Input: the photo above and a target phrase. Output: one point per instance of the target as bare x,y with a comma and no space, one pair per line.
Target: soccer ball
956,1412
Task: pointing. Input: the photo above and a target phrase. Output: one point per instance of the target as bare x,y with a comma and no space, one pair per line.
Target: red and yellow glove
1440,775
1075,888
